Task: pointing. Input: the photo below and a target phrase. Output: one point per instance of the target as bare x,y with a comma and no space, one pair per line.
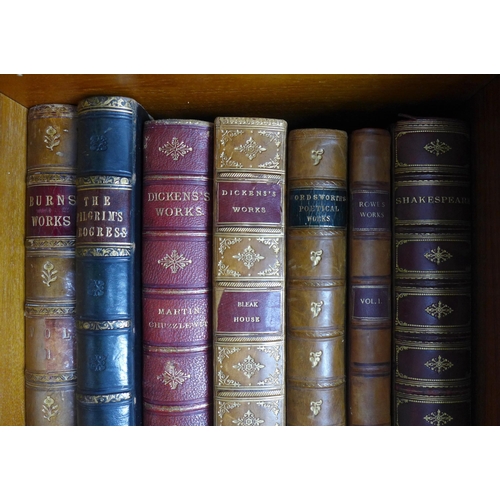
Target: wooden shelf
302,100
334,101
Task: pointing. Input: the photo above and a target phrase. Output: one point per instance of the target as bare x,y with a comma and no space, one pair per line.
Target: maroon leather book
50,266
249,271
177,272
432,272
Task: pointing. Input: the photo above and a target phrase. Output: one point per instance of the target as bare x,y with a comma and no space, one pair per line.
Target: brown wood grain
301,100
12,213
486,238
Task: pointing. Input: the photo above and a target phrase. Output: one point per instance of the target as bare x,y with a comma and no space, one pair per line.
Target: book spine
177,273
432,272
50,357
108,287
369,332
249,271
316,277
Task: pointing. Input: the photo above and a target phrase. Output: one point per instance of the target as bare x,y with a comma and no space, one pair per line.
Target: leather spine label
103,215
244,312
325,207
370,210
51,210
370,302
248,202
434,202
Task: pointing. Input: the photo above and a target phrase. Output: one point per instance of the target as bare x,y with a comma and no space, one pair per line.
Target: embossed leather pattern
249,271
316,277
177,272
369,299
432,281
50,354
108,260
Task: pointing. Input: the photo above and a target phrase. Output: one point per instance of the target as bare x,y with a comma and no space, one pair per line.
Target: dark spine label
103,215
370,211
249,202
325,207
370,302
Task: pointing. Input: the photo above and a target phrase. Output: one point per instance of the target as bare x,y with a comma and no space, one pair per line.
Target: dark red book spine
177,273
432,273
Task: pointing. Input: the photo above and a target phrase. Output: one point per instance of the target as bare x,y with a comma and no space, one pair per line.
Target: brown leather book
50,370
177,272
316,276
369,279
249,271
432,272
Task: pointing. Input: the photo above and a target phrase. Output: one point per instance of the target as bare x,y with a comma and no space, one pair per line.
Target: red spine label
104,216
251,202
241,311
51,210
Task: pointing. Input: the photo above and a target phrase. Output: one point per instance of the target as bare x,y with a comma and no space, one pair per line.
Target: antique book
432,272
369,326
177,272
249,271
50,352
108,261
316,277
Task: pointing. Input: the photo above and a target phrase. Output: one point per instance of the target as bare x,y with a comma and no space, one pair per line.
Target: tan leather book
249,271
369,279
50,371
316,276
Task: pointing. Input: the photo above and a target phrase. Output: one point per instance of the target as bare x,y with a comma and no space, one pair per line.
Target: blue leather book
108,288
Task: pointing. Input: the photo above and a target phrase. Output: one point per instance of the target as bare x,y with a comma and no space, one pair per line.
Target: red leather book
369,329
176,272
50,372
249,271
432,272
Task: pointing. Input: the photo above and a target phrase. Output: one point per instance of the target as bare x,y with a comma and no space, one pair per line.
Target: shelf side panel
12,195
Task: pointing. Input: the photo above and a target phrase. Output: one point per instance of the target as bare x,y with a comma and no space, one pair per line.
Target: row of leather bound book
183,272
